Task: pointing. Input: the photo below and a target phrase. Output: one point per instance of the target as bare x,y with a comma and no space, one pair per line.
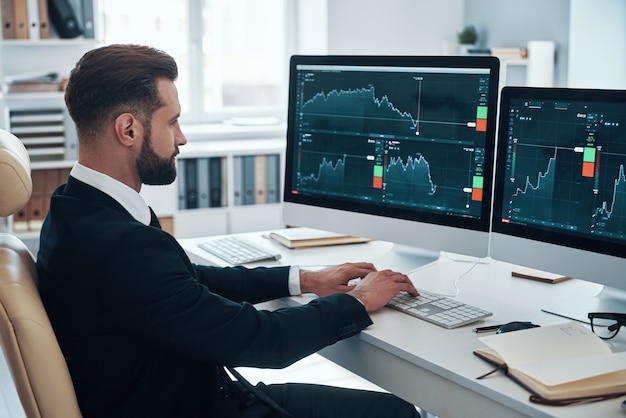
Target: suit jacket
143,329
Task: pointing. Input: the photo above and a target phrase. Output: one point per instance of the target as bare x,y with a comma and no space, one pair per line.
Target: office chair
30,347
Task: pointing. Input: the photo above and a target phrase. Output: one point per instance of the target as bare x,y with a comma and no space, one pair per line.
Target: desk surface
428,365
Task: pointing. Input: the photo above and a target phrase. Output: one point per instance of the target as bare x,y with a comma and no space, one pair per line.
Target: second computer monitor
560,189
393,148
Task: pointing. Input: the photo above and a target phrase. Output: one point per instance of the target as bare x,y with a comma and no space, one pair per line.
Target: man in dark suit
145,332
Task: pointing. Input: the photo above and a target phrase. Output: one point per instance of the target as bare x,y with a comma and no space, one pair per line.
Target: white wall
597,55
513,23
392,27
312,27
592,54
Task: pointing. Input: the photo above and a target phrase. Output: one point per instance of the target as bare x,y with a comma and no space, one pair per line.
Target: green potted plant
467,38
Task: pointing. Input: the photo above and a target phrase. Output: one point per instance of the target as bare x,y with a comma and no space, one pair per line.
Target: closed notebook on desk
308,237
559,364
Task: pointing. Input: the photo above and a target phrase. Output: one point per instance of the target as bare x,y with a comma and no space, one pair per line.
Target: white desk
430,366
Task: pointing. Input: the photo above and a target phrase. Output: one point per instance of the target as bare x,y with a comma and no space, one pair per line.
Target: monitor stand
404,258
432,271
609,299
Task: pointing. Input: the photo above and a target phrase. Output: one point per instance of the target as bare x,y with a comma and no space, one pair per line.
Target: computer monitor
560,189
394,148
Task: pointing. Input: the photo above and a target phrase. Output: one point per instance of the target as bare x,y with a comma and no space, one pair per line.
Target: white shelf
228,131
516,61
226,219
20,101
46,165
50,42
198,149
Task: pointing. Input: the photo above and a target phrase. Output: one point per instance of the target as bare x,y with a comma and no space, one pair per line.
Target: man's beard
152,169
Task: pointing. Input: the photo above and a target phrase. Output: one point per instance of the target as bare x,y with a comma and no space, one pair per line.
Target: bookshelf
256,161
228,213
41,121
39,116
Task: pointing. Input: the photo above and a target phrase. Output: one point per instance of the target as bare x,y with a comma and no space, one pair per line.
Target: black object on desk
511,326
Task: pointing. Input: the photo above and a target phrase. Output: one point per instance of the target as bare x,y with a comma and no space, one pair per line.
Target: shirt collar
124,195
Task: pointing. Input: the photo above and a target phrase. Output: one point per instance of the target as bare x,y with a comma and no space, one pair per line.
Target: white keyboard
439,310
237,250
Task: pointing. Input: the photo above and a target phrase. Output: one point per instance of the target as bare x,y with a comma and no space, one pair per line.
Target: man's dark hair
116,79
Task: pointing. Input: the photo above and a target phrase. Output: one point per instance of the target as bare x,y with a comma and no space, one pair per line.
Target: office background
590,37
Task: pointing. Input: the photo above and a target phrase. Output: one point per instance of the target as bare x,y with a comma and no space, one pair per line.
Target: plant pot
464,48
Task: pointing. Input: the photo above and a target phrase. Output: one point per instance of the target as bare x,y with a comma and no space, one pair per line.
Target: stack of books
502,52
309,237
510,53
33,82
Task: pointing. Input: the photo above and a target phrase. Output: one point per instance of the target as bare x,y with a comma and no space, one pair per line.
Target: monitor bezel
492,64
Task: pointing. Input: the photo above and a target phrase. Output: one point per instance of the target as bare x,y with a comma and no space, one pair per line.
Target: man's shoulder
77,195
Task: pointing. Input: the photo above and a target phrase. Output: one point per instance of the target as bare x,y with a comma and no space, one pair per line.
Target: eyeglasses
606,325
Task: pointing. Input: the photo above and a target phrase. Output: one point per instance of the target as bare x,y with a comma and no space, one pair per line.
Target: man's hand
374,289
377,288
333,279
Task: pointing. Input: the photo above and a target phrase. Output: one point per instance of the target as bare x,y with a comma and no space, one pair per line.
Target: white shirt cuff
294,281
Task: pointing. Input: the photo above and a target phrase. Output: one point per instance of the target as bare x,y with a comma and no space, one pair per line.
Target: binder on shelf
191,183
225,181
202,166
44,19
32,12
35,213
84,14
260,179
15,19
273,178
215,182
64,18
53,178
20,220
63,175
182,187
38,23
88,19
238,180
21,19
8,19
248,179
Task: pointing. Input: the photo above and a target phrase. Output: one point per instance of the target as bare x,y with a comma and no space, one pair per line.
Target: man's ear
127,129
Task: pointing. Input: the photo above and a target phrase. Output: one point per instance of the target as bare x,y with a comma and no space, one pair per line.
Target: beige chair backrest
30,347
16,185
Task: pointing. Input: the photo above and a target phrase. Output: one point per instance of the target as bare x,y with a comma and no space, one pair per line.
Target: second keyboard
236,250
